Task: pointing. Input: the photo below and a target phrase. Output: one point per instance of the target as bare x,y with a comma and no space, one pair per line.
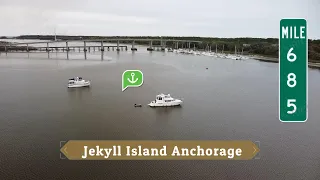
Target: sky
206,18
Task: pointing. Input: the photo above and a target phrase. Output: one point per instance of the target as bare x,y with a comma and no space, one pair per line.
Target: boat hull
176,103
79,85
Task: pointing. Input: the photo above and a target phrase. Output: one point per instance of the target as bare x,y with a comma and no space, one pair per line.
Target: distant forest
256,46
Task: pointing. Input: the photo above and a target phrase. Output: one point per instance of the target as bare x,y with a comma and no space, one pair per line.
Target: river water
231,100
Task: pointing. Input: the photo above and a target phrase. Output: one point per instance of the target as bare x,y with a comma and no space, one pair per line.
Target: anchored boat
165,100
78,82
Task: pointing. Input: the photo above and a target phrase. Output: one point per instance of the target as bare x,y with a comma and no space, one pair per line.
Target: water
231,100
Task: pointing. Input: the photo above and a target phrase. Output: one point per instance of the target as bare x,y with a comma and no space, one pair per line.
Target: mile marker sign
293,70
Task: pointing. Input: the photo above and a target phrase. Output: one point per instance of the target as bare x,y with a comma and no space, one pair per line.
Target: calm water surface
231,100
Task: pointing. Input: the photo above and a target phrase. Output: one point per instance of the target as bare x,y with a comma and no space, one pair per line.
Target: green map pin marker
131,78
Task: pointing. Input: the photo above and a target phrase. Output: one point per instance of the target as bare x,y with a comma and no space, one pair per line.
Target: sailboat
55,35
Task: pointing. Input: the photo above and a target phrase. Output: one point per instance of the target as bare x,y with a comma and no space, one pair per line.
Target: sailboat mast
55,35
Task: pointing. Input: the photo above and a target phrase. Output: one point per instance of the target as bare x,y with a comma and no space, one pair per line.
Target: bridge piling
28,49
133,47
5,48
67,50
150,48
48,50
118,49
163,46
85,50
102,50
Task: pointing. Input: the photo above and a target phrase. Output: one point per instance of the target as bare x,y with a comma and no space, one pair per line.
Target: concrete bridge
29,46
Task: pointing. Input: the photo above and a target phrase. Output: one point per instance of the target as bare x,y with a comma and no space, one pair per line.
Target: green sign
131,78
293,70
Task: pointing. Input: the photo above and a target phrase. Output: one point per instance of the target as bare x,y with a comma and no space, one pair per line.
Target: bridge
113,40
24,47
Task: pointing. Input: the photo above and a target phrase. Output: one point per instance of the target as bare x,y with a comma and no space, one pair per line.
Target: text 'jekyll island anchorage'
177,151
160,150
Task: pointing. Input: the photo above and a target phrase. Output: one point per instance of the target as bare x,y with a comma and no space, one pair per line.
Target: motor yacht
78,82
165,100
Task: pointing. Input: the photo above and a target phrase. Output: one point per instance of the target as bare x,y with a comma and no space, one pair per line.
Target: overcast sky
217,18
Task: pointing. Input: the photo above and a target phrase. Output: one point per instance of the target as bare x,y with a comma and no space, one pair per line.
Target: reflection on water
166,110
79,96
166,113
79,93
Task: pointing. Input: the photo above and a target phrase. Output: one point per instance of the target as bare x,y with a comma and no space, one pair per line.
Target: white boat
196,53
165,100
170,50
78,82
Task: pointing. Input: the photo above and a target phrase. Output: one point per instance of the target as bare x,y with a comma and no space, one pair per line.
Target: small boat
196,53
137,105
170,50
165,100
78,82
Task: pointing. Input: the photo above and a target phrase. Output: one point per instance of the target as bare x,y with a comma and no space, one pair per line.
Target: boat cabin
75,79
164,98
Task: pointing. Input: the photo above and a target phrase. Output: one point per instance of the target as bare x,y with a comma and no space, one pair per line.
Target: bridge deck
60,47
106,40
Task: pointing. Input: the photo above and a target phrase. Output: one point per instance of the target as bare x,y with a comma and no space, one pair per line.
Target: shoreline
311,63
